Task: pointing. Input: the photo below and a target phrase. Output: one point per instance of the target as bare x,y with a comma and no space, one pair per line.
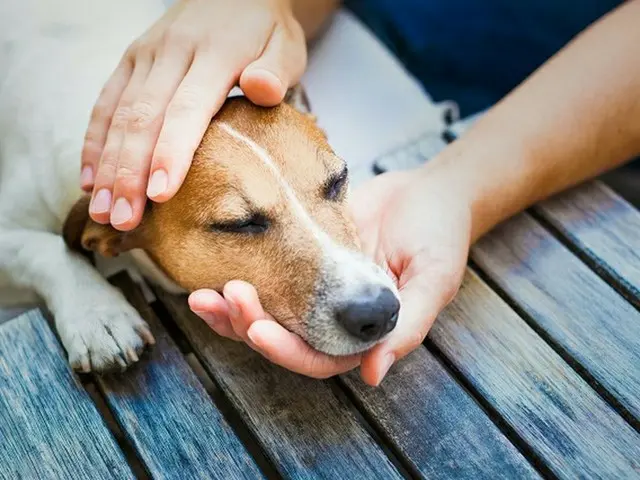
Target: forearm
576,117
313,14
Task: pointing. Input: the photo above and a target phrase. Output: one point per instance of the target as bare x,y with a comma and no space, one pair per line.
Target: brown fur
227,182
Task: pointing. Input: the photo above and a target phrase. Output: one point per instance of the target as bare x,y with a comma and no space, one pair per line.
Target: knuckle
101,110
105,175
310,365
90,151
128,173
139,47
186,101
109,159
415,340
178,38
120,118
141,116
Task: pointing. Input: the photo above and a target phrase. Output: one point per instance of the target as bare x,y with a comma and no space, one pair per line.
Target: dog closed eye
334,187
253,225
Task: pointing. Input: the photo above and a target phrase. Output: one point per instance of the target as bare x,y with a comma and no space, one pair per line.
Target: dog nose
370,316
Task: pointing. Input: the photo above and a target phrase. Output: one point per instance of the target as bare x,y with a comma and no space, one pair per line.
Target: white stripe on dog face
298,208
348,266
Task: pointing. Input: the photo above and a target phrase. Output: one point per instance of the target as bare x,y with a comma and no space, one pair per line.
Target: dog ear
297,98
81,233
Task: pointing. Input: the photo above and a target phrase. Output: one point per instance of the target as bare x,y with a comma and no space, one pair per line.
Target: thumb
421,299
265,81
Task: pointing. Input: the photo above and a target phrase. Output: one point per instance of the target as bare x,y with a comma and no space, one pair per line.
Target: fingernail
122,211
251,336
387,361
209,318
158,183
86,176
101,203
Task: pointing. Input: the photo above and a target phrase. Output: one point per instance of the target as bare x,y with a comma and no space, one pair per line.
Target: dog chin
340,345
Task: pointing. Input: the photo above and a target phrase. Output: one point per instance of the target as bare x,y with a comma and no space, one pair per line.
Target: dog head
265,201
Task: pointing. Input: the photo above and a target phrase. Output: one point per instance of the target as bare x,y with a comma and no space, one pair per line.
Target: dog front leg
99,329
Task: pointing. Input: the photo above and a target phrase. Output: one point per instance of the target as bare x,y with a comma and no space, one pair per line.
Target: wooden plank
572,429
302,426
166,413
436,426
605,228
49,427
574,307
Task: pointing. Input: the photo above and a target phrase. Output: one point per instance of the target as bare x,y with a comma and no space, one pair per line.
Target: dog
265,201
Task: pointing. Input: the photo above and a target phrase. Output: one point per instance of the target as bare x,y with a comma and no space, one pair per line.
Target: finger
266,80
421,299
101,116
142,130
291,352
244,307
212,308
199,97
101,200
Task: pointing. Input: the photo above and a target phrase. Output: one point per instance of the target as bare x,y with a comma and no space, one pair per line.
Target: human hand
417,225
154,110
238,315
413,224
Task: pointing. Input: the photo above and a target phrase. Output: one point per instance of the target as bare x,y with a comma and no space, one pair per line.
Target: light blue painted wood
168,416
586,317
438,428
605,228
302,426
49,426
562,419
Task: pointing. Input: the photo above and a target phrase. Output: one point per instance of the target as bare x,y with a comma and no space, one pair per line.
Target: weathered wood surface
49,426
605,229
306,430
434,423
585,317
564,422
166,413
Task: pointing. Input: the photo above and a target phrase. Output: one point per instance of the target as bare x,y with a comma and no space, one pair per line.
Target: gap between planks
575,365
626,290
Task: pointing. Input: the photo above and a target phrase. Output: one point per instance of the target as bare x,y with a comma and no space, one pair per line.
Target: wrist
488,173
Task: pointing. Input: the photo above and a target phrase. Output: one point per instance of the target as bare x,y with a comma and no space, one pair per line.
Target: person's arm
576,117
313,14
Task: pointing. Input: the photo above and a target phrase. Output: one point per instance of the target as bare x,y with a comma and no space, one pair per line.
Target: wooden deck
533,371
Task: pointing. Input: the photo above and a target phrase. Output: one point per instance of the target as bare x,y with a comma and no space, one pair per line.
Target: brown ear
297,98
83,234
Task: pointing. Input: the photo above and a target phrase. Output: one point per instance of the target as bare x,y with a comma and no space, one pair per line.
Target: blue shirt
475,51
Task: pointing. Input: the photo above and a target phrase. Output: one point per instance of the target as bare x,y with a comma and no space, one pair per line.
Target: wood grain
166,413
301,424
49,427
438,428
572,429
572,305
605,228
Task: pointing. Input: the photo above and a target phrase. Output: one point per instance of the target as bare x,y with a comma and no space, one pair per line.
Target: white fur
54,59
345,273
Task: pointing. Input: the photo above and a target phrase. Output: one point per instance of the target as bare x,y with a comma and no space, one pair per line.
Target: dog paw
107,337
